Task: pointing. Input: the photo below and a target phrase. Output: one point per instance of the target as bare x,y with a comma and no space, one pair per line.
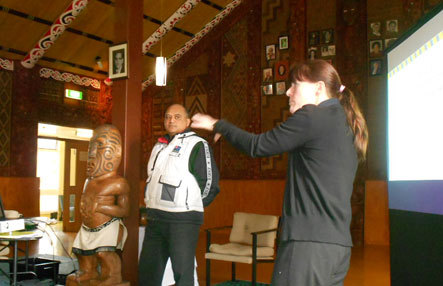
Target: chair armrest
264,231
218,228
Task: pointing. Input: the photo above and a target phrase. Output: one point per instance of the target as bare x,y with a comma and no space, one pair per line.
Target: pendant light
160,62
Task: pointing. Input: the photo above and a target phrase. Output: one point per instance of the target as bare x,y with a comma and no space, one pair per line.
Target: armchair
252,240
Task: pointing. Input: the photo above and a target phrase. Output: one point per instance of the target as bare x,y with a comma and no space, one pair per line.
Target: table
14,237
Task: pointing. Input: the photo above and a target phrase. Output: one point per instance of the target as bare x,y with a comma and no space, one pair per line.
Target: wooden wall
376,213
21,194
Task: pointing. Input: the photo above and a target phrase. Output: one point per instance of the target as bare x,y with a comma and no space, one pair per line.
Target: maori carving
169,24
6,64
189,44
54,32
69,77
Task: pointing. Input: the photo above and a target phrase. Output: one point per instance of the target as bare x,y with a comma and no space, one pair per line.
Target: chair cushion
236,249
233,258
245,223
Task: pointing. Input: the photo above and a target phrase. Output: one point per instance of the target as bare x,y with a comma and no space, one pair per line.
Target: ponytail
355,120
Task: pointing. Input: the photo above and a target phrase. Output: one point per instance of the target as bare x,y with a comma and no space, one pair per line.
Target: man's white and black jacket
182,179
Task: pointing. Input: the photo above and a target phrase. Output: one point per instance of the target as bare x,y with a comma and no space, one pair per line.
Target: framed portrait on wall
327,36
312,53
267,89
118,61
392,26
281,70
270,52
267,75
280,87
314,38
376,67
283,42
375,48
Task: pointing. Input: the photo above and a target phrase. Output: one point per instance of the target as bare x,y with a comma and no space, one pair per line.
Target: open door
76,156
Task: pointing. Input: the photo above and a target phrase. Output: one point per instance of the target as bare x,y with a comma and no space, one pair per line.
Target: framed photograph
375,29
312,53
283,42
270,52
281,70
327,36
389,42
267,75
375,48
376,67
118,61
392,26
314,38
324,51
280,87
267,89
331,50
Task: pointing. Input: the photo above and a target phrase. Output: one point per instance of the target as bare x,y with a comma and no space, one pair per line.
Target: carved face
104,153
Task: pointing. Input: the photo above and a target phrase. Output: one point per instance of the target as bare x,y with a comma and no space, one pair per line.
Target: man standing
105,200
182,180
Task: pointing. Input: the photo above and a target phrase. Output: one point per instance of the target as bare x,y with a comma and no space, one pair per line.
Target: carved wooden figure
105,200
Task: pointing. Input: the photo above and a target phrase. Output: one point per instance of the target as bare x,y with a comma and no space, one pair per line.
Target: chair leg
233,272
254,272
208,272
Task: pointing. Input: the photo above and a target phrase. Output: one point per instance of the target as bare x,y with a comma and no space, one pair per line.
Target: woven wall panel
5,117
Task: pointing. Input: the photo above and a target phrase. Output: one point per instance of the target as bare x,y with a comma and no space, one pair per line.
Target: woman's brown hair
320,70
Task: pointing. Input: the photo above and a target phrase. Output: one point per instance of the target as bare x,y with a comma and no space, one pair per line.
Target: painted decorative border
54,32
419,52
169,24
189,44
6,64
69,77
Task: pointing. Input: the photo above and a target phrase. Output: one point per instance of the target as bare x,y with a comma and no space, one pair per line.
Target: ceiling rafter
49,23
52,60
54,32
189,44
169,24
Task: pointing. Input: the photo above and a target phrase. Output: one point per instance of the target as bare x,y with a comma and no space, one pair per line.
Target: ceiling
24,22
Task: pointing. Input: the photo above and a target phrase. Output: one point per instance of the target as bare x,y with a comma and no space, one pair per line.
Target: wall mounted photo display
327,36
118,61
267,75
375,29
392,26
283,42
375,48
324,51
281,70
267,89
331,50
313,38
270,52
280,87
375,67
389,42
312,53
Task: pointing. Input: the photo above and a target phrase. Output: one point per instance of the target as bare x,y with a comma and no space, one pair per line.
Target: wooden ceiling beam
212,4
49,23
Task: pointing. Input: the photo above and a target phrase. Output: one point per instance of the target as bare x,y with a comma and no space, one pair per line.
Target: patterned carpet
240,283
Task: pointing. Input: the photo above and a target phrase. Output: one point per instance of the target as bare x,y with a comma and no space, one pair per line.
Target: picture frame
375,48
312,53
118,61
375,29
280,87
270,52
267,89
327,36
389,42
392,26
324,51
267,75
314,38
283,42
331,50
375,67
281,70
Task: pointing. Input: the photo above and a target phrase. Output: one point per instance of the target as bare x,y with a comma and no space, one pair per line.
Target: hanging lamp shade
160,71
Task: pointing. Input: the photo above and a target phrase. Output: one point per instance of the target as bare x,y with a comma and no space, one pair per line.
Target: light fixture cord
161,24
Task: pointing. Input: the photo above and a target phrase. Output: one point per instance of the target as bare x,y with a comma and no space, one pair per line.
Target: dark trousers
163,240
303,263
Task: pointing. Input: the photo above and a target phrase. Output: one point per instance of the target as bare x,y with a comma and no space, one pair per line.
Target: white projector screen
415,105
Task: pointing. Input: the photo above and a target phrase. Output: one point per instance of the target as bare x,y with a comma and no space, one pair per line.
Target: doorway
62,154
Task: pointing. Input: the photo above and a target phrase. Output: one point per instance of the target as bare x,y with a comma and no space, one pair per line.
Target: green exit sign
74,94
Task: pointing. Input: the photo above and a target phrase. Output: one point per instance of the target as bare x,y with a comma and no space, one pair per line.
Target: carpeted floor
239,283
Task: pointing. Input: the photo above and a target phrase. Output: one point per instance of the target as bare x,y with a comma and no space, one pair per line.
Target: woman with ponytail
325,137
